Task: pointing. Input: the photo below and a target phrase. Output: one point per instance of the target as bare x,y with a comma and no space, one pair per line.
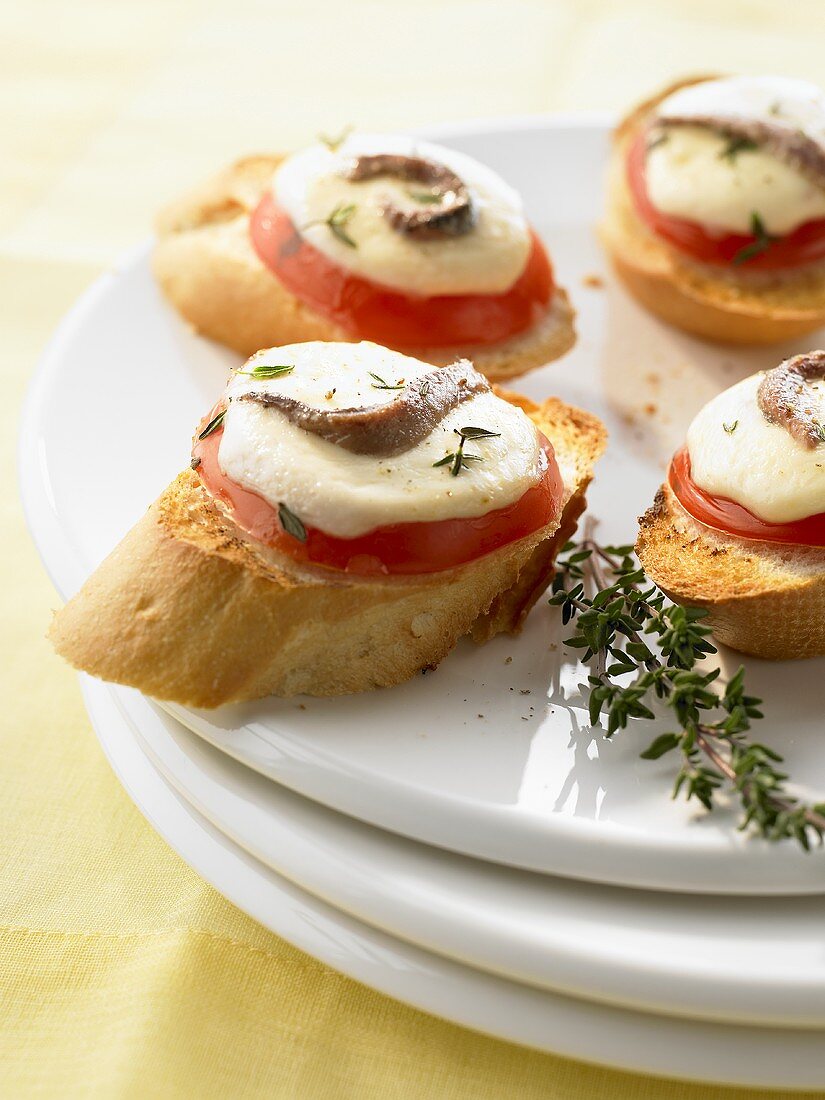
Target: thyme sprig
291,524
426,198
266,370
736,145
763,241
380,383
712,723
213,424
335,141
459,459
336,222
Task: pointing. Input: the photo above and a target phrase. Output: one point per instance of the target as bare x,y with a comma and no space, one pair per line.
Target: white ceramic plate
461,758
733,959
764,1057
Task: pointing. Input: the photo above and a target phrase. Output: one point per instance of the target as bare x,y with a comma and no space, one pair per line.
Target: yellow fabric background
121,973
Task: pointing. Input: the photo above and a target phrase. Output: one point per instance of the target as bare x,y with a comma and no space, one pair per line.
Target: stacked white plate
466,842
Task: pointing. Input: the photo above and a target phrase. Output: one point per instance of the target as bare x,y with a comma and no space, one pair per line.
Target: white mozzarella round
346,494
737,454
486,260
690,176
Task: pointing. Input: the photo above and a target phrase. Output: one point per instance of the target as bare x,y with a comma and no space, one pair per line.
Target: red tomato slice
731,518
371,311
805,245
399,548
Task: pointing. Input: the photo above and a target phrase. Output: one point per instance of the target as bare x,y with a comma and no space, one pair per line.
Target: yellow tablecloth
121,972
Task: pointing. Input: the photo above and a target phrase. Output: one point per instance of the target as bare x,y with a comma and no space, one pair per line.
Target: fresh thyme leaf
336,223
476,433
338,220
711,737
291,524
737,145
730,428
265,370
334,143
819,428
459,460
213,424
763,241
426,197
380,384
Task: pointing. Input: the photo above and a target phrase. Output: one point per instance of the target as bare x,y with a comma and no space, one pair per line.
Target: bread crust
764,599
208,269
189,609
734,307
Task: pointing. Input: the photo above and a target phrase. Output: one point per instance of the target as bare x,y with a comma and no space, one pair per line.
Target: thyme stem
625,606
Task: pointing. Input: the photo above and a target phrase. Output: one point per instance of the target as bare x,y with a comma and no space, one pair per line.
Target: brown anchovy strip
452,216
792,146
784,399
390,428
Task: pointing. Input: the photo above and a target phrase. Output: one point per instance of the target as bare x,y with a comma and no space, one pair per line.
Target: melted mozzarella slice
689,176
347,494
486,260
735,453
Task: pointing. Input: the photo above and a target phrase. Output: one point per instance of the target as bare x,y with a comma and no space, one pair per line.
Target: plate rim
377,881
424,980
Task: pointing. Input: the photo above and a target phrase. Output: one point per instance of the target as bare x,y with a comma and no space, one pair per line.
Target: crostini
739,526
349,514
380,238
716,207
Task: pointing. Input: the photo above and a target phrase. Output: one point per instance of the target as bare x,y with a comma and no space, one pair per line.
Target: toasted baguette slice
209,271
766,599
188,608
735,307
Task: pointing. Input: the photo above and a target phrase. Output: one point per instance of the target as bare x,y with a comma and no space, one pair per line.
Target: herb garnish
291,524
338,219
336,223
711,723
380,384
763,241
819,428
334,143
737,145
266,370
425,197
458,459
213,424
655,142
730,428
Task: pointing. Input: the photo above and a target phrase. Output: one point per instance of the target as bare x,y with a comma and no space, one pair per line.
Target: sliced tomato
731,518
804,245
399,548
375,312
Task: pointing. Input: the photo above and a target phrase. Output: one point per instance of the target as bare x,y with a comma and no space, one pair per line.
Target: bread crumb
650,409
596,282
508,660
653,379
